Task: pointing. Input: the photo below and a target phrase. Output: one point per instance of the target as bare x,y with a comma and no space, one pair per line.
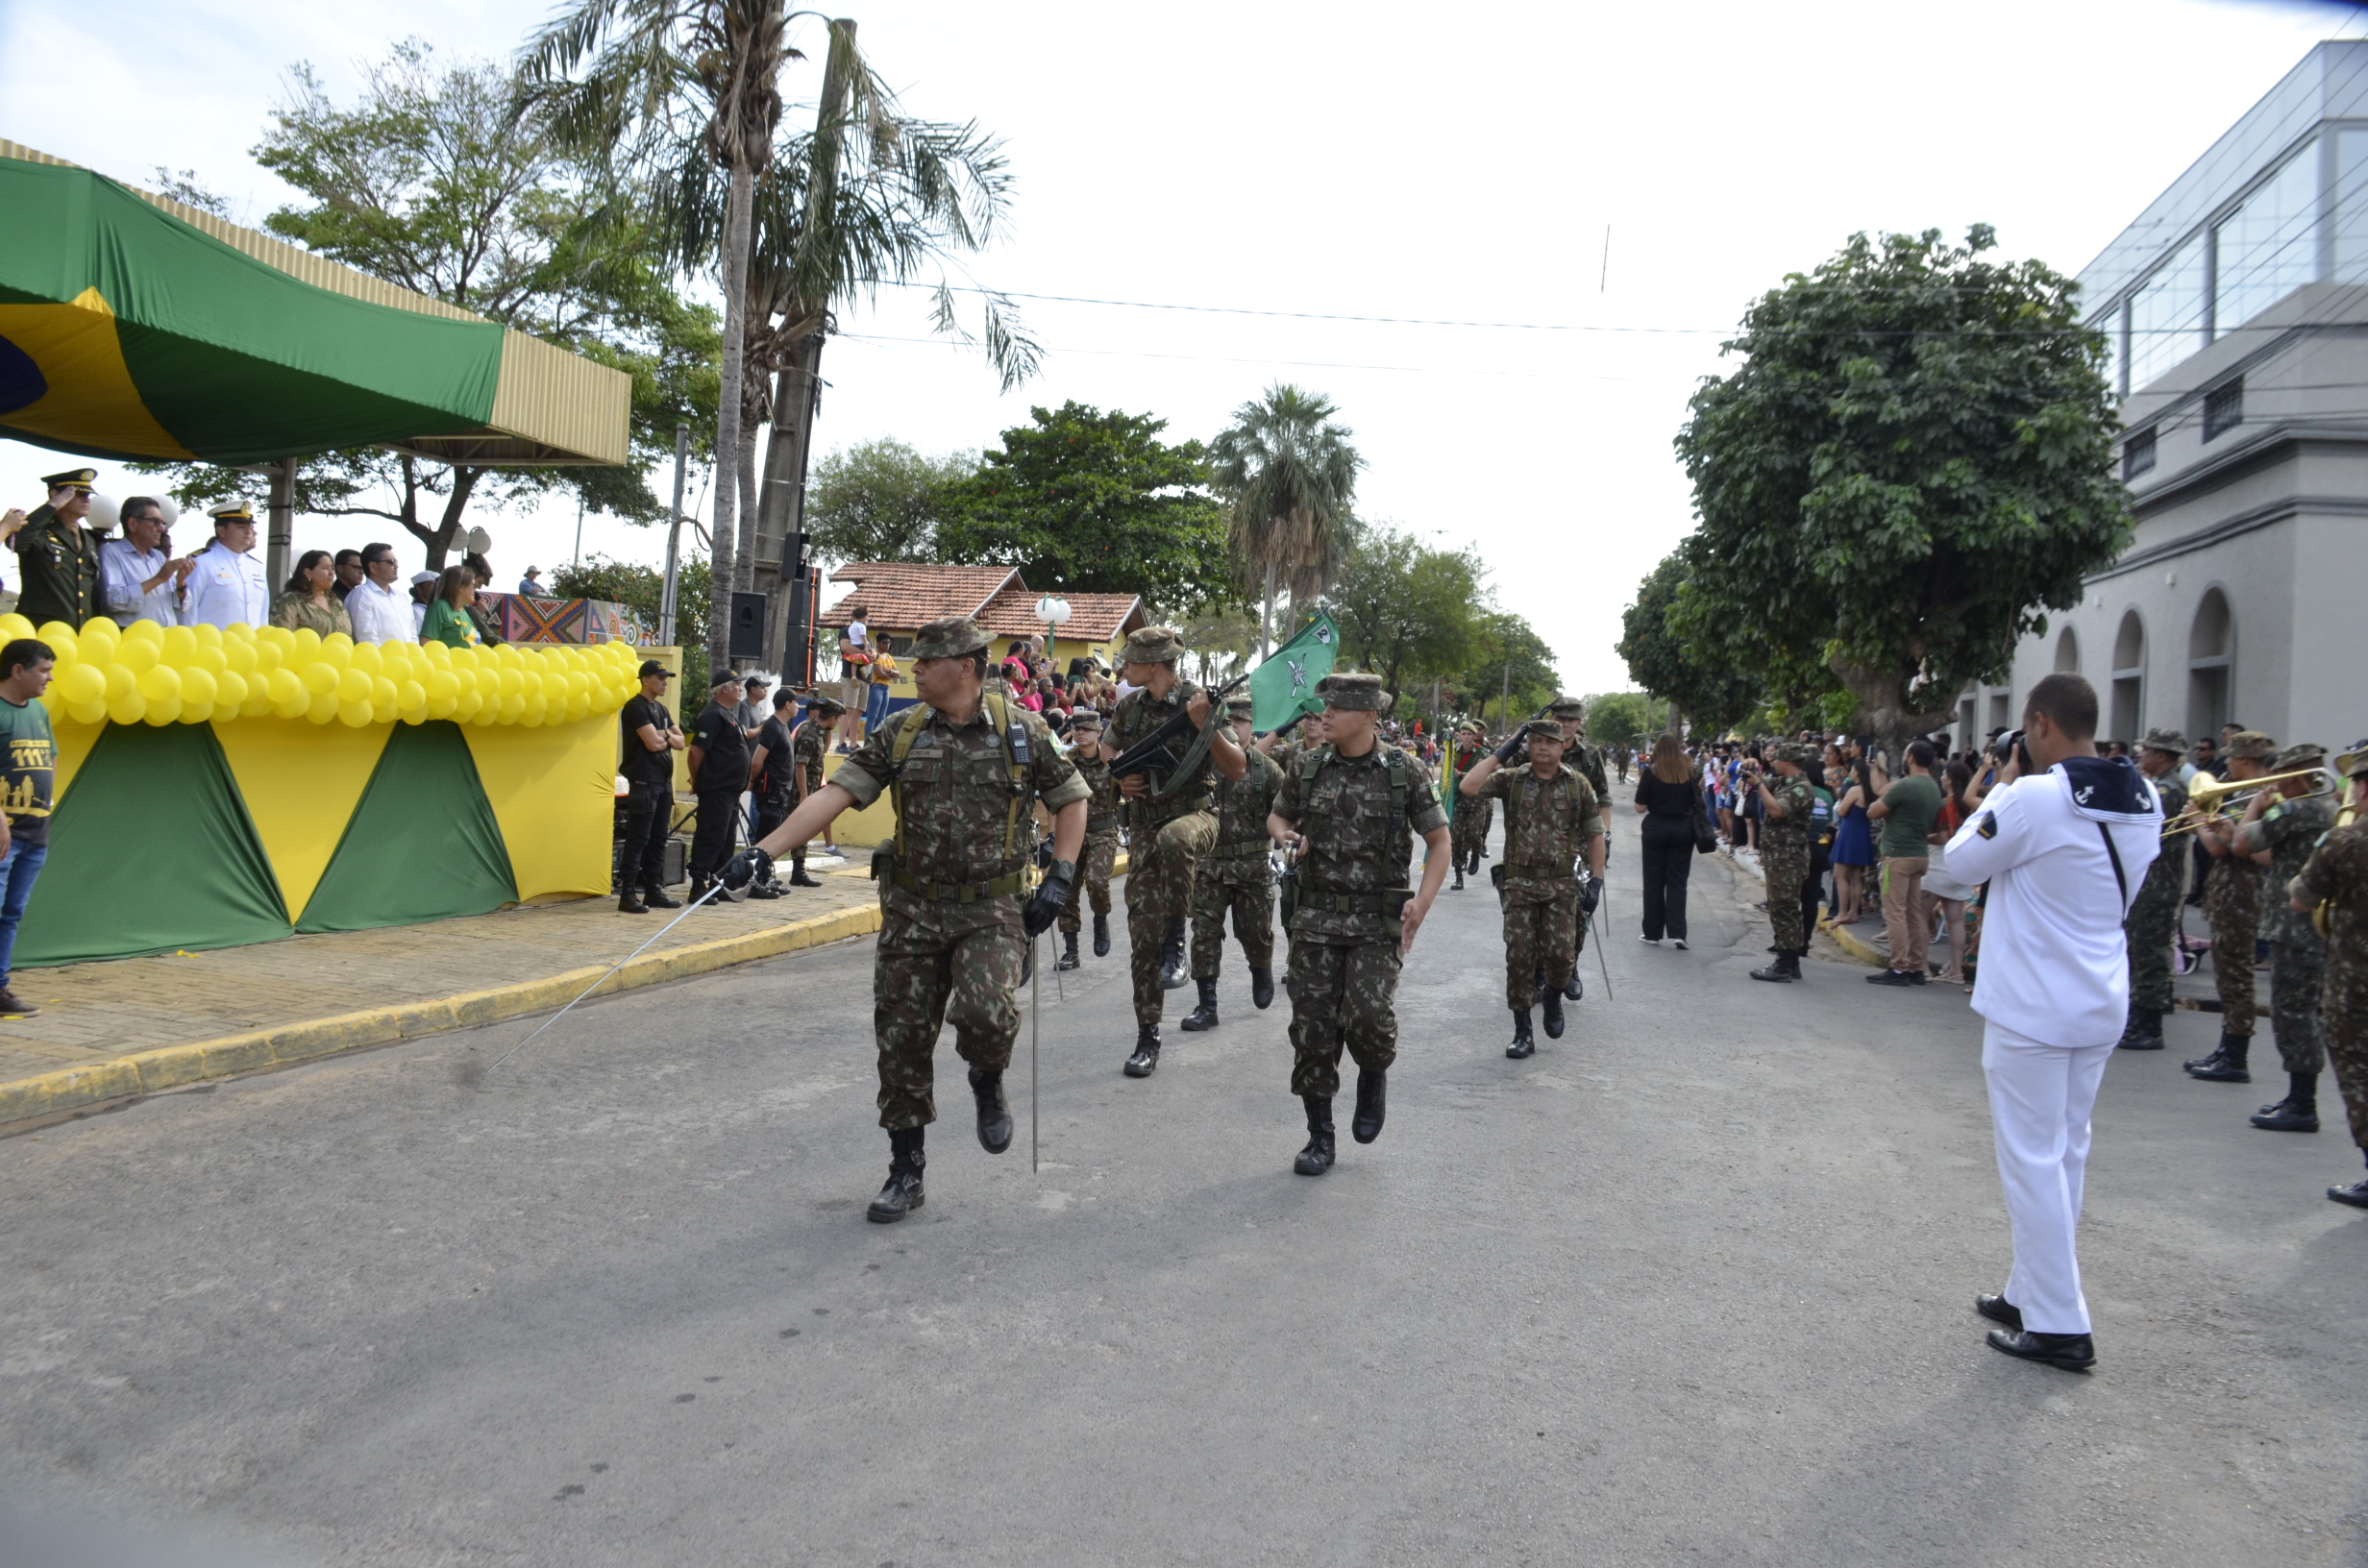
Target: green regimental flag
1284,686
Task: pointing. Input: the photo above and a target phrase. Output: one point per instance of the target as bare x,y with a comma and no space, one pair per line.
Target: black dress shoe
1888,977
1999,1309
2356,1194
993,1112
1459,879
2071,1352
1145,1058
1261,987
1373,1105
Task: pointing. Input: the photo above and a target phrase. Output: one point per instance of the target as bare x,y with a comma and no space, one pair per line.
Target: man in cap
1237,875
2281,825
965,770
1578,756
57,557
1091,757
1785,804
2154,919
648,739
773,781
423,594
1553,816
226,586
1345,811
807,744
2335,878
719,773
1468,828
2232,905
1169,819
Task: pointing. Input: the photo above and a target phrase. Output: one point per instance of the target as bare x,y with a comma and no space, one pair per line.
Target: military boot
1783,971
902,1194
1203,1017
1171,957
1373,1105
2227,1065
1574,989
1458,885
2298,1111
1145,1058
1522,1043
1553,1012
1261,987
994,1113
1102,936
1316,1157
1068,952
628,902
656,897
2144,1031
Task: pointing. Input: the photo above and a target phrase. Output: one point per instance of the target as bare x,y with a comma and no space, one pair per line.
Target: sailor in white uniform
2063,843
226,583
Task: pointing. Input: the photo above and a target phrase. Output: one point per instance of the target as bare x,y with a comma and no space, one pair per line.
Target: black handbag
1705,837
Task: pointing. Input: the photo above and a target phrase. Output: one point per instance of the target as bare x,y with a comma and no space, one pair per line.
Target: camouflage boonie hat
1152,644
2250,743
2301,754
2164,738
1353,691
1567,707
1241,707
2353,763
949,639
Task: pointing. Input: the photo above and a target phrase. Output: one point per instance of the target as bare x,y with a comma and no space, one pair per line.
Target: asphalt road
1690,1286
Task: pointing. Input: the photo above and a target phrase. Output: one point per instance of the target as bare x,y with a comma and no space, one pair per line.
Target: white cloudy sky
1353,159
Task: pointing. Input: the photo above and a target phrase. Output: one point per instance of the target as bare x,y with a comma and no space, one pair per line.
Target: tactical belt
1387,904
1182,805
1241,851
1537,873
962,893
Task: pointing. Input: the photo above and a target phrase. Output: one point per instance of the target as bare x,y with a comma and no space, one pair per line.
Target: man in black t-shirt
719,773
772,780
647,744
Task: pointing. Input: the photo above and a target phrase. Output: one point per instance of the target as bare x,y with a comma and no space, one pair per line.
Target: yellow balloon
577,705
160,683
336,651
317,677
366,658
279,637
323,707
382,692
144,631
15,625
410,697
197,686
532,712
353,686
510,656
513,683
259,696
83,683
304,646
91,625
247,658
209,635
512,705
87,713
180,642
195,713
238,631
229,689
166,711
212,661
120,678
98,646
288,693
64,640
466,705
437,654
135,655
129,708
443,686
354,715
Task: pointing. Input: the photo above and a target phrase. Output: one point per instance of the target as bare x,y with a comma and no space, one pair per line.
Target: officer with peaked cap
225,583
57,557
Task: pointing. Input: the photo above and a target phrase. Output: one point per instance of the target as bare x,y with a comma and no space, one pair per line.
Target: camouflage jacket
2337,869
2168,876
1242,808
806,746
2290,830
1101,812
1136,717
1586,760
1789,834
1358,837
1547,823
57,563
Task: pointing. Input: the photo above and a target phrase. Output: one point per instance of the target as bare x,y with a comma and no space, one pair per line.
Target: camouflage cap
825,704
1085,719
2354,764
1567,707
949,639
1152,644
2163,737
1241,707
1353,691
2250,743
1793,752
2301,754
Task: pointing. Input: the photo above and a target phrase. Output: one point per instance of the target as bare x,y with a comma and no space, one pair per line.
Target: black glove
1591,893
1513,744
1043,905
749,866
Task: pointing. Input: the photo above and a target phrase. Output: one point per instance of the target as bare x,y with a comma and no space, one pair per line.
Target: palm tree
1290,476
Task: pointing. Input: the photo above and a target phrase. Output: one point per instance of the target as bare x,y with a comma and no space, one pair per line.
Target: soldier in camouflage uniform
1171,824
2282,835
1579,757
1344,811
57,556
966,773
1236,876
1468,827
2336,874
1785,804
807,745
1552,818
1102,839
2152,920
2233,904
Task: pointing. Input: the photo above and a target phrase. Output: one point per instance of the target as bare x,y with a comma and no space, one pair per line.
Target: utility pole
280,520
578,561
674,537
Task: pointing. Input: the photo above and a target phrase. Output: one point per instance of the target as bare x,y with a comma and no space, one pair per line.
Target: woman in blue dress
1854,847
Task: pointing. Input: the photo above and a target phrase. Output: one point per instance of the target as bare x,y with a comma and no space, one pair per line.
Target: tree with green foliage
1288,477
881,501
1406,612
1617,718
1507,666
1086,501
1694,674
638,588
1912,464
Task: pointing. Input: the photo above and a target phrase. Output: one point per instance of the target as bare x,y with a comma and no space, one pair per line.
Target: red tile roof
1093,618
904,596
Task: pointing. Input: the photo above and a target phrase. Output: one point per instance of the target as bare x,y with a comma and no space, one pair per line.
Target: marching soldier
1101,838
2281,833
57,557
1552,818
1170,823
807,745
1579,757
2336,876
1786,802
1237,876
1468,828
2232,905
2153,922
1289,740
1345,809
965,770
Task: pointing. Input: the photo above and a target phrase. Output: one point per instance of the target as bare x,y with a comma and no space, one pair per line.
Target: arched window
2128,712
2067,652
2211,666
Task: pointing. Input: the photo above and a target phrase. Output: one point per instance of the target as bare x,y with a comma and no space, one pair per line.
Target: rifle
1155,752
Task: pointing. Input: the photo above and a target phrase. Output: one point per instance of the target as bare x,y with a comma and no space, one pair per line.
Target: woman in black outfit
1667,795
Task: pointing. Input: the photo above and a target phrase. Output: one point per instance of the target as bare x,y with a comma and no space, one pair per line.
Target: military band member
57,557
1786,802
1468,827
2281,825
965,770
2154,919
1553,818
2336,876
1092,760
1236,876
1345,811
2232,905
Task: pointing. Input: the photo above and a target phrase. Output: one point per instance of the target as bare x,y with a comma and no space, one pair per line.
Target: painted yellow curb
1842,936
146,1072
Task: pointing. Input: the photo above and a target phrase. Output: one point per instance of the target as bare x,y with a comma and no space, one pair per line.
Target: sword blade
603,979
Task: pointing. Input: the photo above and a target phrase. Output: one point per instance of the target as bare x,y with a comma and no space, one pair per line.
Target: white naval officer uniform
2053,985
225,588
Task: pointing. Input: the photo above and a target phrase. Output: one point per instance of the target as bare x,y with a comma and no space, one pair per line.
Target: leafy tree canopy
640,590
881,501
1405,611
1698,674
1618,718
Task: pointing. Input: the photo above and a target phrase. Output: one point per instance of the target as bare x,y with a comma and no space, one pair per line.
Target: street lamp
1054,611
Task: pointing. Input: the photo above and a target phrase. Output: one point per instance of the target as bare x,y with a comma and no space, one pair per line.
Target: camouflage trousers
1160,866
2343,1025
2152,924
1245,886
1094,862
1470,829
2234,909
1342,994
923,979
2297,975
1785,864
1541,941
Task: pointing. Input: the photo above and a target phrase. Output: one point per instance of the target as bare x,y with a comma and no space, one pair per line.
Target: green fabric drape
422,845
150,850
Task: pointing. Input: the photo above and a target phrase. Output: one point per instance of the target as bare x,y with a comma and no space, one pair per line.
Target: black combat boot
1068,952
1261,987
1523,1044
1373,1105
2144,1032
656,897
1316,1157
1145,1058
2227,1065
902,1194
1171,957
1102,936
1553,1012
628,902
1783,971
2298,1111
994,1113
797,873
1574,989
1203,1017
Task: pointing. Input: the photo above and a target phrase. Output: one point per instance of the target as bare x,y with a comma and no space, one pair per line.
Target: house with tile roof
899,598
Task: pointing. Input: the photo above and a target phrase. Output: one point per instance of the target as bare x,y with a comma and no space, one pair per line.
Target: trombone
2209,798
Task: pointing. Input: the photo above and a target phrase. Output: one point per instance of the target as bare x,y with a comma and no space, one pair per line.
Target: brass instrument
2208,799
2323,917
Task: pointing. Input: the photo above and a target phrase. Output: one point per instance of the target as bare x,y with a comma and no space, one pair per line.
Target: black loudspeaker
747,626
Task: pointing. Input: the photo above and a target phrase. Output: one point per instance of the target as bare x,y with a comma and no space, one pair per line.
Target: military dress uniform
2152,920
2232,893
1783,859
1100,854
1548,822
1237,876
2336,876
58,561
1355,815
2290,830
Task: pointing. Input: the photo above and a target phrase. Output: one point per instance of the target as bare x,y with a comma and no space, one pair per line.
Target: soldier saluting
965,769
1552,816
1237,876
57,557
1346,809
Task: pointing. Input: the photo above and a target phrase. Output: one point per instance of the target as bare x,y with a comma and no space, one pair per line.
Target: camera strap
2120,877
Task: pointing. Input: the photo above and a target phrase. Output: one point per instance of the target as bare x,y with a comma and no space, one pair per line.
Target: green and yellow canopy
136,327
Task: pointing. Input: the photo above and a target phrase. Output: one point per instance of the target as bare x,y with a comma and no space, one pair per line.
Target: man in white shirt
380,611
2064,842
226,583
136,580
